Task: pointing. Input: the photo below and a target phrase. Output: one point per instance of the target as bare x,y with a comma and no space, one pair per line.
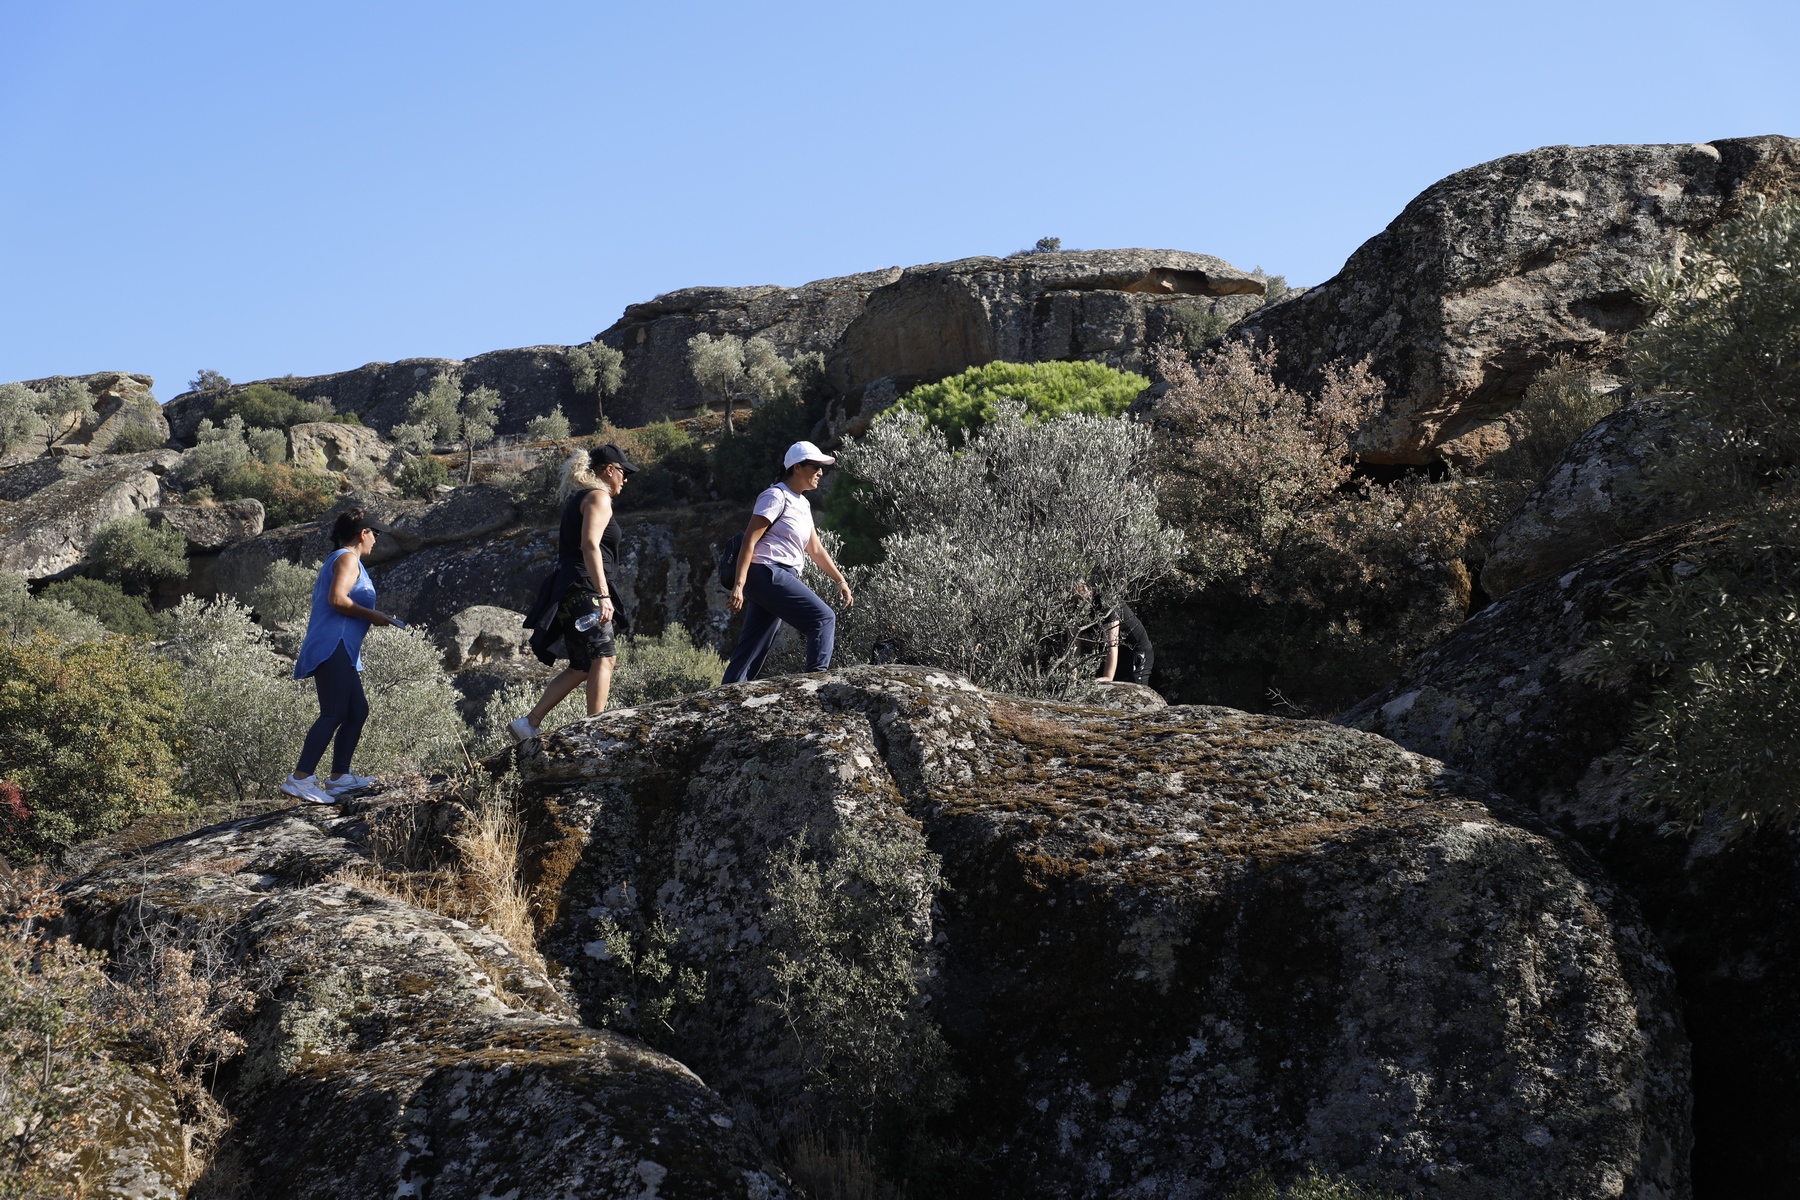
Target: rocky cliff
1172,946
1490,273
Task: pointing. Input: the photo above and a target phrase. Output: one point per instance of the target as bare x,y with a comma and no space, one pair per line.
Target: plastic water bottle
586,621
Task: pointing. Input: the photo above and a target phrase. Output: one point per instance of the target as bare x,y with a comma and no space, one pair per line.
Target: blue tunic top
327,627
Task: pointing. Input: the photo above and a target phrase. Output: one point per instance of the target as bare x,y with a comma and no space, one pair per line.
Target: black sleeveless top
568,539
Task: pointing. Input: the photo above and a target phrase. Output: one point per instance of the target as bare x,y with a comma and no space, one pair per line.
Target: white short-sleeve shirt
791,528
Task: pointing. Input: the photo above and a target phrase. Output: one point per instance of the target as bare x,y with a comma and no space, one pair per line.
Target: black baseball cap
600,456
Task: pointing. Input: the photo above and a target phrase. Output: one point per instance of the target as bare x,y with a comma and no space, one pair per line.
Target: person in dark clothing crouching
1126,653
576,615
768,588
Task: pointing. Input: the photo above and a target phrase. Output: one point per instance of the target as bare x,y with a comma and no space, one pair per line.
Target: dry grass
836,1167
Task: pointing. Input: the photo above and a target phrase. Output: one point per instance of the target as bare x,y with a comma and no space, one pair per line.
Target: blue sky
264,188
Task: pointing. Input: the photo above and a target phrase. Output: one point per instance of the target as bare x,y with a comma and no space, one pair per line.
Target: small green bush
553,427
285,595
218,450
663,667
107,603
23,615
1313,1185
964,403
135,553
19,416
1197,326
414,724
1560,405
421,476
263,406
88,734
289,495
138,434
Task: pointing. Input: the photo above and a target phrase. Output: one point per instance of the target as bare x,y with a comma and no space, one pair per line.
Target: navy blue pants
773,595
342,710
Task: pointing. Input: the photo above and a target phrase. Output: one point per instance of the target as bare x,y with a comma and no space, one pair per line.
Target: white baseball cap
801,452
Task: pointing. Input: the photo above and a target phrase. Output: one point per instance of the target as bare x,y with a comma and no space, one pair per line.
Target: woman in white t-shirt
768,587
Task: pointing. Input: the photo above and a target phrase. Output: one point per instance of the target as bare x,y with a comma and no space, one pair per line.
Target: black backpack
734,546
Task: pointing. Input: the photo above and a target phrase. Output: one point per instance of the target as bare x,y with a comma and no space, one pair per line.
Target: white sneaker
347,783
522,729
306,789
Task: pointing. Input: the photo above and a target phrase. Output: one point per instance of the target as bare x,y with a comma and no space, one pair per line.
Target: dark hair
349,526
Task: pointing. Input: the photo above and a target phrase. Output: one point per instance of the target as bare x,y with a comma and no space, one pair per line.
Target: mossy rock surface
1176,945
399,1052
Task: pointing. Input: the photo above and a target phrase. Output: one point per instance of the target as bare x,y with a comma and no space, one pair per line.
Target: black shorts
582,647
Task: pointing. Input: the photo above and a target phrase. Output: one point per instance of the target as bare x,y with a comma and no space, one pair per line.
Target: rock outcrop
333,446
654,335
1505,699
399,1052
1106,305
1490,273
51,508
1596,497
212,527
1175,946
481,635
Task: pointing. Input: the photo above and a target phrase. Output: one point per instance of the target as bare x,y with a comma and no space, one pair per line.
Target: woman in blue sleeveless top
331,655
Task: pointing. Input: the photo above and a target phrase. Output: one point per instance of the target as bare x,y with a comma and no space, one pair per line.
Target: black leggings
342,710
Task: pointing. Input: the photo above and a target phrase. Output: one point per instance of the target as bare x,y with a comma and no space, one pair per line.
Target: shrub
265,407
246,714
208,380
134,552
54,1038
413,724
597,368
139,431
663,667
846,937
285,595
218,450
289,495
551,428
998,536
479,413
1198,326
66,398
107,603
19,417
421,476
23,615
1720,727
1559,406
964,403
1299,577
87,734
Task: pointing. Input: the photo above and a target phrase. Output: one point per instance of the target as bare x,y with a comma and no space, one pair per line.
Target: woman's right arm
753,533
343,578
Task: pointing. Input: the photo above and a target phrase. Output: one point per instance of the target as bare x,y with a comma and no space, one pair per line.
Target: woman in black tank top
576,615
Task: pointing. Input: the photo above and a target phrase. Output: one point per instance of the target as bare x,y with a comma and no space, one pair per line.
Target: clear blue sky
265,187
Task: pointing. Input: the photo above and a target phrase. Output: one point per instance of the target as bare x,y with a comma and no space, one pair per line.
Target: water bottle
586,621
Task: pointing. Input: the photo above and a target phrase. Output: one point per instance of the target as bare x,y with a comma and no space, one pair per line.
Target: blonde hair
578,474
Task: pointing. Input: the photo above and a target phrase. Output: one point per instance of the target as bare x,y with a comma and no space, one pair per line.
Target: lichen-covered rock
654,335
483,634
54,506
334,446
1175,945
133,1146
1504,698
399,1052
212,527
1106,305
1489,274
1594,498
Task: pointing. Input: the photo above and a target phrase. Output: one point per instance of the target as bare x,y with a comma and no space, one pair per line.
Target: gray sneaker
347,783
307,789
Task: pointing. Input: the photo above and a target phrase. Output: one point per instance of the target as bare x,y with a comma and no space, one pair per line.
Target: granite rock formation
51,507
654,335
1505,699
1487,275
396,1051
211,527
1175,946
1597,496
332,446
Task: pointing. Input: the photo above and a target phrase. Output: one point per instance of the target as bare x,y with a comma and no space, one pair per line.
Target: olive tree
1004,556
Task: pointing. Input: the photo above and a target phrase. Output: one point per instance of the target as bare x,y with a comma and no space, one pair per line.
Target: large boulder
654,335
1597,496
483,635
1175,946
212,527
1489,274
335,446
53,507
398,1052
531,381
1507,699
1106,305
